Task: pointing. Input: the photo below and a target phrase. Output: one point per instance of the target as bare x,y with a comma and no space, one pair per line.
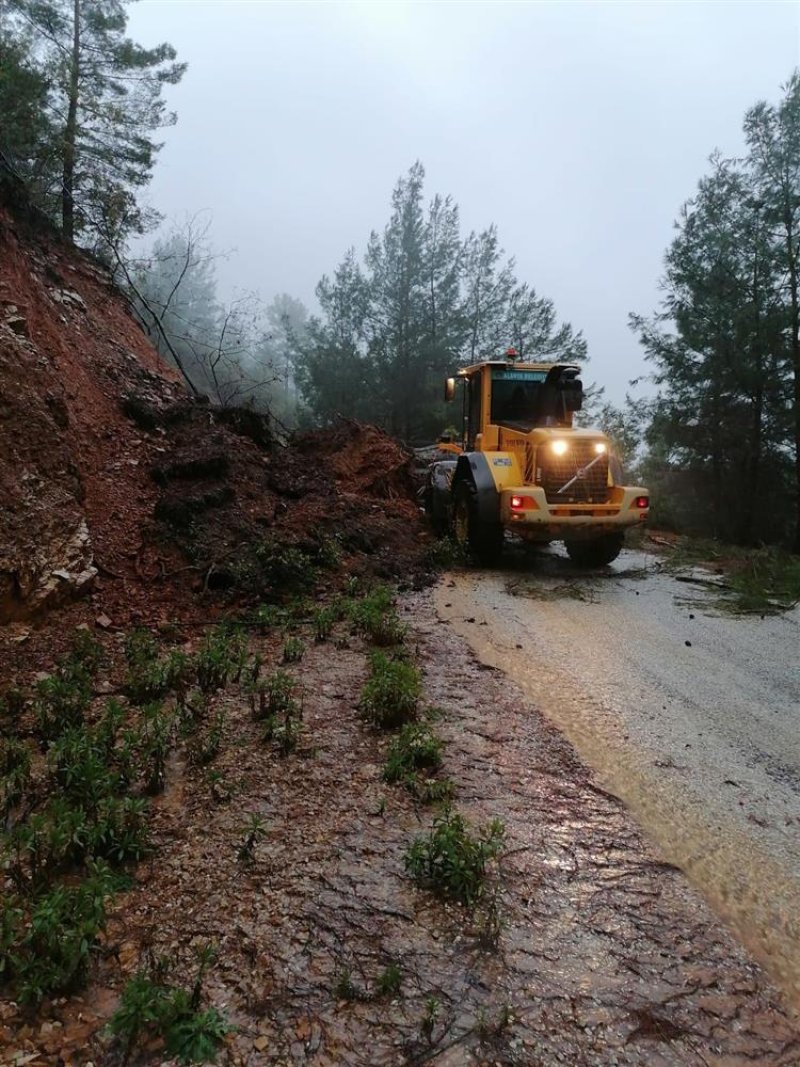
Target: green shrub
120,832
389,982
267,616
81,768
375,618
272,695
149,1008
344,987
15,773
328,552
415,747
285,567
451,860
285,726
323,623
50,952
154,745
390,697
293,650
431,790
209,745
221,658
60,703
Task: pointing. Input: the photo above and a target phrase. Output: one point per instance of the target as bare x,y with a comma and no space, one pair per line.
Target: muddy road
688,714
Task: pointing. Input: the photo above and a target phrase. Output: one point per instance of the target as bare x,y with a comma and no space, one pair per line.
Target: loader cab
516,395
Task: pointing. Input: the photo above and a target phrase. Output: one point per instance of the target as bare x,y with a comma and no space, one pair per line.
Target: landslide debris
116,482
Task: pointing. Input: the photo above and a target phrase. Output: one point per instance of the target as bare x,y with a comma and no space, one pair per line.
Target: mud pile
117,483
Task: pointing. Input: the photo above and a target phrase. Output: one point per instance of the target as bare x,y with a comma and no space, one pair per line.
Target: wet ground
688,714
589,949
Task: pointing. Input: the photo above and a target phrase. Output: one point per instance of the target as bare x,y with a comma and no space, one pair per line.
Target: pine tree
25,134
487,285
718,349
397,287
104,107
773,140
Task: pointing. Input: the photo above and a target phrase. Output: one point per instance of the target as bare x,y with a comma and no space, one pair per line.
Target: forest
713,429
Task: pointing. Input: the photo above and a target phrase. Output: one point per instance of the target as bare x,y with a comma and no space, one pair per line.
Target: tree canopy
99,100
725,343
423,300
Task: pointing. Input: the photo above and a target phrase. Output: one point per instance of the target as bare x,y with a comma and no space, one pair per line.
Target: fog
579,129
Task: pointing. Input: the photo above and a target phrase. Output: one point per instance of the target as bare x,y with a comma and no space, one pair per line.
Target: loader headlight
600,448
559,447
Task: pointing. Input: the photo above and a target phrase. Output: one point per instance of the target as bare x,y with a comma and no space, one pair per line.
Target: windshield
516,397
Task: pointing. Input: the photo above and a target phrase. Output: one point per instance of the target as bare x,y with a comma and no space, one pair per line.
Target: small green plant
389,981
87,652
60,702
488,921
266,617
272,695
221,658
208,746
431,790
51,950
293,650
374,616
154,747
285,568
323,623
285,728
344,987
451,861
15,773
414,748
445,553
390,697
431,1014
151,1008
148,678
221,790
253,832
328,552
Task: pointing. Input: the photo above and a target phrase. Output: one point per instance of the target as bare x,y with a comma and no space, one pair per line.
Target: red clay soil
101,443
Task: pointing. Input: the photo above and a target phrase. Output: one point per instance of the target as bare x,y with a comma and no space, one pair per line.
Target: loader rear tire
597,552
481,540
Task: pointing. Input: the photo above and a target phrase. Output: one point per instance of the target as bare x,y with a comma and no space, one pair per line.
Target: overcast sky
578,128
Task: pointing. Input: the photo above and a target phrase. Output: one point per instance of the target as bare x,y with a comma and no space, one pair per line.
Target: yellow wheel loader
522,467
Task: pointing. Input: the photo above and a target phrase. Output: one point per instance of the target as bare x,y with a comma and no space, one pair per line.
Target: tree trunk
70,131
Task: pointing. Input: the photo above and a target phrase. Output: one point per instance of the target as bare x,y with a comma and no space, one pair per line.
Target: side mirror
449,389
572,392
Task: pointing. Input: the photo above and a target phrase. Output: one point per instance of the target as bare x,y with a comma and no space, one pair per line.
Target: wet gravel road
688,714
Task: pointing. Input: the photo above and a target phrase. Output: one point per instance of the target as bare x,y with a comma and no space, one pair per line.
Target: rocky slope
114,479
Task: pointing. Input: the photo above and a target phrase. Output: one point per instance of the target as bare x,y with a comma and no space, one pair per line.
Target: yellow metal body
515,457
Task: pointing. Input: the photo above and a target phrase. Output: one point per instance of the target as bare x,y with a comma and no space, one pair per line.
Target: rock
18,324
103,622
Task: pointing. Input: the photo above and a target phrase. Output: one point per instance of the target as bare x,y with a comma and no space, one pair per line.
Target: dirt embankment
120,487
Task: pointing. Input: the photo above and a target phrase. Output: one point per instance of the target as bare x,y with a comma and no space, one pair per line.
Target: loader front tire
481,540
597,552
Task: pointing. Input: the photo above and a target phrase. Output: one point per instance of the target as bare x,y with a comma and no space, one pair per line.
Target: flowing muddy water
688,715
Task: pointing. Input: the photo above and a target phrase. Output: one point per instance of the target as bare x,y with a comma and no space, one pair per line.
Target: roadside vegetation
759,581
87,748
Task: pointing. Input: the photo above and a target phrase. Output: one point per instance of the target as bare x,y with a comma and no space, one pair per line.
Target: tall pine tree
104,106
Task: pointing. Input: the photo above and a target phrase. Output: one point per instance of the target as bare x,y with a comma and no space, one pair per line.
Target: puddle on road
754,895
